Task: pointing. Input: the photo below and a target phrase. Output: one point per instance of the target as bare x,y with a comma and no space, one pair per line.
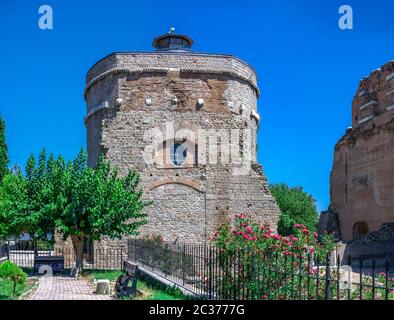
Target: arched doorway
359,229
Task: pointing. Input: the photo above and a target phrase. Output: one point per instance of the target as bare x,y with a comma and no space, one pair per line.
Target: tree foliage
3,151
96,202
27,203
11,200
296,207
73,199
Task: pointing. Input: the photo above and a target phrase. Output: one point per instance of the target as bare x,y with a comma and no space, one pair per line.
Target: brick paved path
65,288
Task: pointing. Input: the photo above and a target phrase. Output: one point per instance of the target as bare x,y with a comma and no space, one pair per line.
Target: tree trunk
14,289
78,242
35,247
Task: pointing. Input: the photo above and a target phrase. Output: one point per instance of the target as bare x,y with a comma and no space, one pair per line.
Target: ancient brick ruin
130,93
362,177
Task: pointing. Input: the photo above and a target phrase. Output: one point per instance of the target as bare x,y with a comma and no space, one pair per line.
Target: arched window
178,154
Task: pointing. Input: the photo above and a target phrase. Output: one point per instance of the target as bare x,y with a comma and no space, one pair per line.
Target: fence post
373,278
210,273
292,276
386,285
121,258
183,263
328,277
7,249
361,278
349,290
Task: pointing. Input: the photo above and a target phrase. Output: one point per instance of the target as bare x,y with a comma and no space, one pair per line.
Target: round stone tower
187,122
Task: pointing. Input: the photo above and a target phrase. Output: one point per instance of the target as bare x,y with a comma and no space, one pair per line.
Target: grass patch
111,275
153,294
151,291
7,285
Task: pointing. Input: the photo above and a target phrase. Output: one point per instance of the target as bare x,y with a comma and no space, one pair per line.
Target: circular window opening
178,154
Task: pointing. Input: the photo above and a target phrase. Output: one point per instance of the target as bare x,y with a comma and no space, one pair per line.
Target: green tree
10,271
96,202
75,200
9,196
27,203
3,151
296,207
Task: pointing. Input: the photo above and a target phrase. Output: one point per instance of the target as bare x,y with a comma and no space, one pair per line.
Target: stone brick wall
362,177
189,201
328,222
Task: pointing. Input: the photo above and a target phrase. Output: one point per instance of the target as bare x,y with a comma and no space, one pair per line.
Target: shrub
296,207
255,261
10,271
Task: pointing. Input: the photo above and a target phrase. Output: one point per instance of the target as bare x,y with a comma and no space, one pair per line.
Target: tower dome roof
172,42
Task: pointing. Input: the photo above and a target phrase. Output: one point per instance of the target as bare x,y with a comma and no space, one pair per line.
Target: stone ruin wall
376,245
362,177
189,202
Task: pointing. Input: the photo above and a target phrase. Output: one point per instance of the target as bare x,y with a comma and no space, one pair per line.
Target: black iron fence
184,264
3,251
239,275
22,253
232,275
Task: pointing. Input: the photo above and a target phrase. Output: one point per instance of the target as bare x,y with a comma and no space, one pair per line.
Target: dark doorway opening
360,229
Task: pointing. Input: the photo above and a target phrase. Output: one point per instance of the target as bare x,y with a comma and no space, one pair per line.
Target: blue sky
308,69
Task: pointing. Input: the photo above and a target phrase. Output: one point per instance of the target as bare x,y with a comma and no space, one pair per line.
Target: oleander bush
257,263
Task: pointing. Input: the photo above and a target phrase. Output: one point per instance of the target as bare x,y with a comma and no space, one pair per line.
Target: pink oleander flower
313,270
277,237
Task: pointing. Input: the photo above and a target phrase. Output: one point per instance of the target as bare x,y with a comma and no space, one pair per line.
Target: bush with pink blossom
268,264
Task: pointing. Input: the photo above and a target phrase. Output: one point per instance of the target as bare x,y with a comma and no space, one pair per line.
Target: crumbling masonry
362,177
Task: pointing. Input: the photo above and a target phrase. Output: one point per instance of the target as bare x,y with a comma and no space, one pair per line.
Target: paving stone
65,288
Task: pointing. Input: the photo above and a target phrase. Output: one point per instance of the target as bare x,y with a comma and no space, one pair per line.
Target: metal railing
22,253
4,255
213,273
249,275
